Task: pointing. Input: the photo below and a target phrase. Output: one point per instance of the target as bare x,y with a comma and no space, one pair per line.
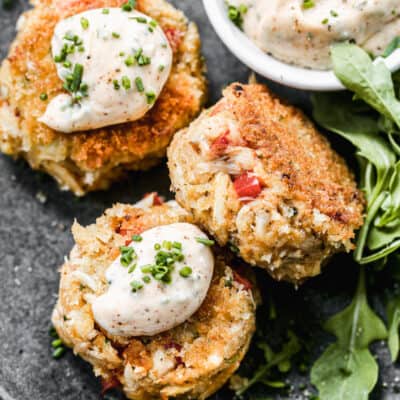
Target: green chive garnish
139,84
136,285
132,268
56,343
58,352
126,82
106,11
151,97
127,255
116,84
185,272
137,238
308,4
141,20
129,61
129,6
43,96
116,35
84,23
206,242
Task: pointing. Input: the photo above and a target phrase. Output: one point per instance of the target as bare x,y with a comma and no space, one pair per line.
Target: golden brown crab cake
90,160
256,173
191,360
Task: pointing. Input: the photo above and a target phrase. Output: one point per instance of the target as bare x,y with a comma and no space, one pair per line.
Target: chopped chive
161,67
185,272
81,49
126,82
129,6
130,61
105,11
325,21
206,242
56,343
139,84
137,238
116,35
84,23
132,268
157,246
167,244
127,255
308,4
334,13
141,20
122,53
58,352
116,84
77,77
147,268
153,23
67,64
146,279
43,96
136,285
151,97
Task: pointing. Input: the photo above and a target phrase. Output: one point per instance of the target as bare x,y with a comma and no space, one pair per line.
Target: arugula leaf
370,82
347,370
386,227
272,359
338,113
393,316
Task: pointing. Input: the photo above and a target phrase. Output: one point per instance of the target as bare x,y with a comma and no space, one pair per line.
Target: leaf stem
380,254
363,234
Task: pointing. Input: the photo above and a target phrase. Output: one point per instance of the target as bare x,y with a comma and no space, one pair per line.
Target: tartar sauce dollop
157,283
113,63
301,32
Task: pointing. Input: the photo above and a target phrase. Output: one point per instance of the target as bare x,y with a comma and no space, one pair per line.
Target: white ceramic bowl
244,49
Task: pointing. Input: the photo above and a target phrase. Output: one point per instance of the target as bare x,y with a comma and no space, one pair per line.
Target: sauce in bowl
300,32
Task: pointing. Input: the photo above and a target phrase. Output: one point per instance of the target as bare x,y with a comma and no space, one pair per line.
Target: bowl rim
269,67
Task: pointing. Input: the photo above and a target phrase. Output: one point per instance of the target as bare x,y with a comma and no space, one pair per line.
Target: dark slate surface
34,237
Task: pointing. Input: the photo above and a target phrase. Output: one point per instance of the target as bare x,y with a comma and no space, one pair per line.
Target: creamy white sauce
109,39
157,306
302,36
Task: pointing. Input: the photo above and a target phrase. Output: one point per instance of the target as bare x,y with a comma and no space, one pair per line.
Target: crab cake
257,174
156,89
156,330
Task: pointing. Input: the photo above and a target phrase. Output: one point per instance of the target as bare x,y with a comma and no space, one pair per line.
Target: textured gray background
34,237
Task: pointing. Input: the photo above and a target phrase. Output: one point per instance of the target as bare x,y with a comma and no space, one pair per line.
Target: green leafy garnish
370,82
370,120
272,359
236,14
393,316
347,370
